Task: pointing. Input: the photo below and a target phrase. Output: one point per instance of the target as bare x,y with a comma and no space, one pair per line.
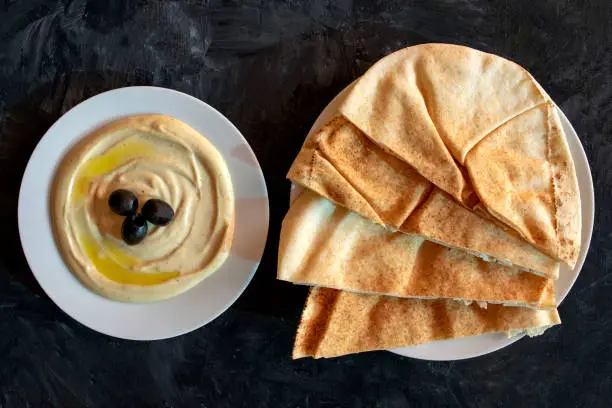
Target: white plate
458,349
185,312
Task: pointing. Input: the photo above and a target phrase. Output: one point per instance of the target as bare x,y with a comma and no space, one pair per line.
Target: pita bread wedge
430,105
325,245
524,175
340,163
442,220
336,323
322,244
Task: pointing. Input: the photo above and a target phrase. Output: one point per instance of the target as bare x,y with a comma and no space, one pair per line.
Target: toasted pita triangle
336,323
325,245
524,175
340,163
443,220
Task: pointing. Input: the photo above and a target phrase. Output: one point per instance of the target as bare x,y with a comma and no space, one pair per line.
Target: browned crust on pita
314,322
531,150
568,214
340,163
383,120
475,234
336,323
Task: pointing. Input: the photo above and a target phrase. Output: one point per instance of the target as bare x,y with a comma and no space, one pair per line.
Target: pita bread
532,186
443,220
336,323
389,106
340,163
431,105
325,245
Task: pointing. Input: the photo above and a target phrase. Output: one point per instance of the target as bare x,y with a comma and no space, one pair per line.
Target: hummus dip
154,156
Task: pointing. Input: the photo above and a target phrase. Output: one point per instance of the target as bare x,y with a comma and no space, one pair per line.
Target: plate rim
588,202
38,154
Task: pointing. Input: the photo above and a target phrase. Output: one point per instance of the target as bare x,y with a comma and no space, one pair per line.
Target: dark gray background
271,67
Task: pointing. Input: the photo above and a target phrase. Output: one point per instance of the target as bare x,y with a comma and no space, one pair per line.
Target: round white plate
458,349
185,312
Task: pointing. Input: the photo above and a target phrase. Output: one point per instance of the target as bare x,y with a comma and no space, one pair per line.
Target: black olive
157,212
134,229
123,202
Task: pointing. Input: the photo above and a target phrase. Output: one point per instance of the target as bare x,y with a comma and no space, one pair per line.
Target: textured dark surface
270,67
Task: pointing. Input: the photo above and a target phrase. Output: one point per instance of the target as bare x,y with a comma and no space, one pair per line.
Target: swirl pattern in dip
154,156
